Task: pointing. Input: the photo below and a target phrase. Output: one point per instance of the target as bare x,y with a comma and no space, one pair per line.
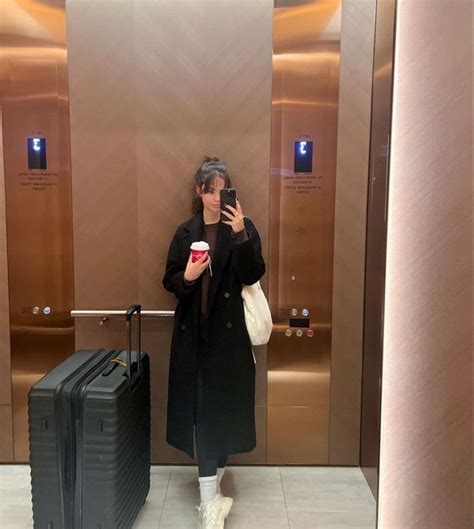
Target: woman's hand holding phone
194,270
236,217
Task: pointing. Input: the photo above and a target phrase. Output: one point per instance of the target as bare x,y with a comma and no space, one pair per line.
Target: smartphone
228,196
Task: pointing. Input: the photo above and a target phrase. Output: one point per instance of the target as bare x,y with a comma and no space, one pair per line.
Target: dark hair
210,169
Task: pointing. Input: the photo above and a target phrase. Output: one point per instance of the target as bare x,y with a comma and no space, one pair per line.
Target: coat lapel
194,229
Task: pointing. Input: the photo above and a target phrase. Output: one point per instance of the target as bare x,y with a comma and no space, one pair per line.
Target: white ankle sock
220,473
207,488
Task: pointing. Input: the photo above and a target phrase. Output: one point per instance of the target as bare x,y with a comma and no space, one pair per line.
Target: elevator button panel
300,322
299,326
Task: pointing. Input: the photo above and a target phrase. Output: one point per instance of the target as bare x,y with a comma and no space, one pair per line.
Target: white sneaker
213,513
226,498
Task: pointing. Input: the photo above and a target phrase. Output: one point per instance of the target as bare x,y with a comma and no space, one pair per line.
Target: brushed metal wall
306,50
355,97
38,201
6,416
426,428
154,86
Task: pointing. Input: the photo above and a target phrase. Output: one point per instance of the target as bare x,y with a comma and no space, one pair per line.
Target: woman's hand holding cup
198,261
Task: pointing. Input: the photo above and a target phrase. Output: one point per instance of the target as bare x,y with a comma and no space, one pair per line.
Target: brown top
209,234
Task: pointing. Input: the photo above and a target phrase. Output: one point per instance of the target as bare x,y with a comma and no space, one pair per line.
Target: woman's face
212,199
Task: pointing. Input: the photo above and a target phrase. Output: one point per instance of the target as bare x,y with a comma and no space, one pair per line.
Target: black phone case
229,198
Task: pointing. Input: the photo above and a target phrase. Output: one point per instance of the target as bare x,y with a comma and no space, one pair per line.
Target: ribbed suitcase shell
89,443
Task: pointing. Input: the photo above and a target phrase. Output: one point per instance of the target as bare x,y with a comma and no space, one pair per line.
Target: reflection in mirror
145,106
329,117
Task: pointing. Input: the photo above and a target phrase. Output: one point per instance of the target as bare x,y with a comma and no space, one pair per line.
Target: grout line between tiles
164,498
284,498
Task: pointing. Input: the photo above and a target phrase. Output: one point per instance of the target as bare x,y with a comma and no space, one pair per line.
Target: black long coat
228,366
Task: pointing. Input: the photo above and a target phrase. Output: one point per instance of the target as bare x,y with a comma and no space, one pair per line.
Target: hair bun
214,163
207,159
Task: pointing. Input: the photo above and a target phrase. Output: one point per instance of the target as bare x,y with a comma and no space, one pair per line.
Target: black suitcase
89,432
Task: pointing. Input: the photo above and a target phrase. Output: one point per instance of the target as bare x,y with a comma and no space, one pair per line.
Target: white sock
207,488
220,473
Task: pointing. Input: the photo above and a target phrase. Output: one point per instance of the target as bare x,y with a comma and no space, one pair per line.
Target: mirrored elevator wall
38,217
145,107
155,86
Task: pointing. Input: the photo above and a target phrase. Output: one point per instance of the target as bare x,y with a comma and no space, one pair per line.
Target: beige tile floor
264,498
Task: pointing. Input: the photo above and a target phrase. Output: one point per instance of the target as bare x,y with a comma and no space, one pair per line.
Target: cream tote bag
258,318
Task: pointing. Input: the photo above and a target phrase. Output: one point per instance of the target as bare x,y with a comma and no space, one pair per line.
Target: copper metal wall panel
355,96
197,98
6,433
6,419
5,366
20,430
301,427
426,428
38,201
103,155
151,93
304,106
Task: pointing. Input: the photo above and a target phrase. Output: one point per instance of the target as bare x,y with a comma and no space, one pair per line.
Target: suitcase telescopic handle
133,309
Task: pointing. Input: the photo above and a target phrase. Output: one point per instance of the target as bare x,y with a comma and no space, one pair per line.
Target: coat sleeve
248,262
173,280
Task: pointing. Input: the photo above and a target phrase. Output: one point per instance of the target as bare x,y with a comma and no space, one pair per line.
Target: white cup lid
201,246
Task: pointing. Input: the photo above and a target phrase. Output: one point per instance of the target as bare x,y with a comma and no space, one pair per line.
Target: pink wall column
426,442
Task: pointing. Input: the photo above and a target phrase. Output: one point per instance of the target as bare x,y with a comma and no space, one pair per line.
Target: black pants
207,465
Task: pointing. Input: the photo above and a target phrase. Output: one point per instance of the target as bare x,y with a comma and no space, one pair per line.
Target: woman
211,392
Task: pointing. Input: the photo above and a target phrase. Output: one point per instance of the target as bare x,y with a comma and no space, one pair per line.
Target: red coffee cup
198,249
